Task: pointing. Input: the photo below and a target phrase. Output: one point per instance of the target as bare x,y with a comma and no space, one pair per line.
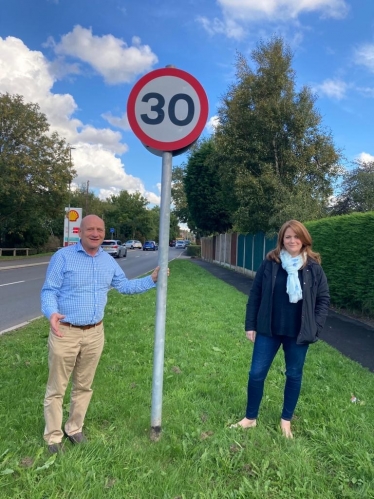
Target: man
73,298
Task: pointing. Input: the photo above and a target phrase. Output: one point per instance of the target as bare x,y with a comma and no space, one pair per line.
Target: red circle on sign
173,145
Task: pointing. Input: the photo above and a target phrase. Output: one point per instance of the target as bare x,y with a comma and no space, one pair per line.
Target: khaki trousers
78,353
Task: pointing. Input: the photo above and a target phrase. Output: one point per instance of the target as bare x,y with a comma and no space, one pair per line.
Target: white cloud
118,121
237,14
281,9
335,89
364,56
366,91
152,197
104,194
365,157
111,57
227,27
97,164
28,73
212,124
108,138
59,68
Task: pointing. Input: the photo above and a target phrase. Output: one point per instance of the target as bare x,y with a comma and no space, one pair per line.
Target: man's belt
87,326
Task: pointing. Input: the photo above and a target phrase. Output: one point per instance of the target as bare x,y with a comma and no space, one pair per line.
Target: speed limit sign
167,109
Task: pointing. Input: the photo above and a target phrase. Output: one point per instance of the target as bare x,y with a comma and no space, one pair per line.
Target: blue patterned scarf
291,265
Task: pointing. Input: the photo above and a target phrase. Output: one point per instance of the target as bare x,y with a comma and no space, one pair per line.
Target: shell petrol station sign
72,222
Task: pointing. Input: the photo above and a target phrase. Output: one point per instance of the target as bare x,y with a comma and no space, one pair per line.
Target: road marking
23,265
18,326
9,283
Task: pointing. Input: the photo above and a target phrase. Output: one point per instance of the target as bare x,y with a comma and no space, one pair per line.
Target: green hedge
346,245
193,250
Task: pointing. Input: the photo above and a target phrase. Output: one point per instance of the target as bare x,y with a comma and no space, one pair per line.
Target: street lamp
87,192
68,239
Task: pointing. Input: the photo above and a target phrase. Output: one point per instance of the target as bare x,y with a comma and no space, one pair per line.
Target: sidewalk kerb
19,326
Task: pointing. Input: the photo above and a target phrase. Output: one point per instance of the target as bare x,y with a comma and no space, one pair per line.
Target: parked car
172,243
187,242
180,244
114,247
133,243
150,246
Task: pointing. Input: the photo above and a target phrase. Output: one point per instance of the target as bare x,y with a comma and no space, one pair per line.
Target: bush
193,250
346,245
52,244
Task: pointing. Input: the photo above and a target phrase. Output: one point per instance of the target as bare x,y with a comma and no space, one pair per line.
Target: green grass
7,258
198,456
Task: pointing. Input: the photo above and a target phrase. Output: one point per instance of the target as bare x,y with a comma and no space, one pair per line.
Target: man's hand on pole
154,274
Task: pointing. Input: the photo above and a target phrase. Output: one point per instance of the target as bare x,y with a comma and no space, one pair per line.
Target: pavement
349,336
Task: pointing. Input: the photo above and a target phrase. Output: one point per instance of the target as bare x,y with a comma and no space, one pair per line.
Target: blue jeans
264,351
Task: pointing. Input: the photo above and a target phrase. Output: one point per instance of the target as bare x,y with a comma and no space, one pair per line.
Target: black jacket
316,300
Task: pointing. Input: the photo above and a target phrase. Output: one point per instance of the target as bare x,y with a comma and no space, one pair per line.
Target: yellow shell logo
73,216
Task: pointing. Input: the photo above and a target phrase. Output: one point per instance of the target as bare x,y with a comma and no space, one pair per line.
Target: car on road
180,244
187,242
172,243
133,243
150,246
114,247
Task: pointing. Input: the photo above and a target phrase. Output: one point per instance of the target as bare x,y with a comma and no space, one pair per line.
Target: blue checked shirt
77,284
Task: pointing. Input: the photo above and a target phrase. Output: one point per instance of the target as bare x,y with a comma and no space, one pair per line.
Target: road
21,282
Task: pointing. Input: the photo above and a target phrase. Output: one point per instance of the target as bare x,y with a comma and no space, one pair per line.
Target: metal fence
243,253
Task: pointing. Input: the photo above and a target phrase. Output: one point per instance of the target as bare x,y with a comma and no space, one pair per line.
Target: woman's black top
286,316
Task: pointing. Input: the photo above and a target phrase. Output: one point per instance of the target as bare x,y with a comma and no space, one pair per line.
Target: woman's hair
302,233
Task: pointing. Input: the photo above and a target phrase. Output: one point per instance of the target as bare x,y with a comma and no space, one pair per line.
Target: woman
288,306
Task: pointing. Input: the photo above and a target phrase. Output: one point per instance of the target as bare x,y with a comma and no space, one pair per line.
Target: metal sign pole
159,347
167,110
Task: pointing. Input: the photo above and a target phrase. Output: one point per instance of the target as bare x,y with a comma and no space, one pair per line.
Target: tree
35,172
275,159
174,226
83,198
178,194
356,190
153,232
128,214
207,207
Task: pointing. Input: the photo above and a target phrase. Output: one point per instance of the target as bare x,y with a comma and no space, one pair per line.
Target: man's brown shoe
77,438
56,448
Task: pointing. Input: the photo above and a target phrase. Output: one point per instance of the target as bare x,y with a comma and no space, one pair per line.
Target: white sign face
167,109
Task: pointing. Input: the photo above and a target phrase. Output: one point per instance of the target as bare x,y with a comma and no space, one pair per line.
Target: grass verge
205,374
7,258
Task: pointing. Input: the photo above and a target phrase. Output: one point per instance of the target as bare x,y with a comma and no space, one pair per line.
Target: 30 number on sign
159,109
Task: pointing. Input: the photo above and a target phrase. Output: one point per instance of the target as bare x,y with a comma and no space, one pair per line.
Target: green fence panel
270,243
248,251
240,251
258,250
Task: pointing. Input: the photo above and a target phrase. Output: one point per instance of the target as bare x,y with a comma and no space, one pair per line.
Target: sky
80,59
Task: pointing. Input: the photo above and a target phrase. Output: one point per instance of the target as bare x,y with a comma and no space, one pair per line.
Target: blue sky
79,59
